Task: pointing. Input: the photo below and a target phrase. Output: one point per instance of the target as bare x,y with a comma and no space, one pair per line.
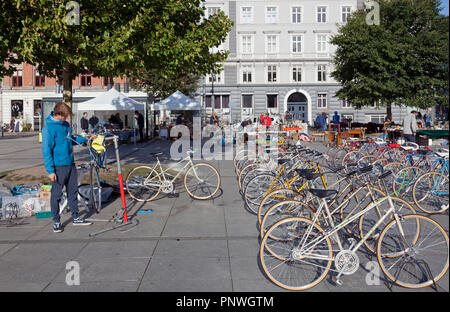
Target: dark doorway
297,105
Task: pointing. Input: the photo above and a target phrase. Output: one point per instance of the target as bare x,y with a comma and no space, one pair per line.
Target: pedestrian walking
57,141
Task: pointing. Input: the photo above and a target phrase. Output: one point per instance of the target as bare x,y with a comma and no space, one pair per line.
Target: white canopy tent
111,101
177,101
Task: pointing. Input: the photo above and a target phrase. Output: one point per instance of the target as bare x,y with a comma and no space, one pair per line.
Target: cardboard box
44,195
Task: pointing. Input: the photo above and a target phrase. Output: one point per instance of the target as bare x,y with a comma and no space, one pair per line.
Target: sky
444,7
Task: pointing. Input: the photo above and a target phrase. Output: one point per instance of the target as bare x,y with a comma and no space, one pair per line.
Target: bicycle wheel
95,196
299,261
283,210
274,197
404,180
352,158
370,218
250,175
430,192
143,184
238,157
409,261
258,188
244,171
202,181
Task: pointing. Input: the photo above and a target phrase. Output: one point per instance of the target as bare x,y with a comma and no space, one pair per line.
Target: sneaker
81,221
57,228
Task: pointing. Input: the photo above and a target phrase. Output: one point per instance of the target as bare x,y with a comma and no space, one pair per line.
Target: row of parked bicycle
318,209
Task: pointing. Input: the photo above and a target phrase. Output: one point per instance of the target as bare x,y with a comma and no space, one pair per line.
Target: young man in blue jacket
59,163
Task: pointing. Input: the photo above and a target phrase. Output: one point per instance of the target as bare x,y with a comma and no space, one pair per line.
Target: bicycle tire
133,183
213,172
284,256
391,238
440,202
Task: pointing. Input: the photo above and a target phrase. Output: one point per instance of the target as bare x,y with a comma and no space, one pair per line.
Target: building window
247,71
346,104
296,15
296,44
378,119
271,73
215,78
208,101
220,101
39,80
246,15
108,81
37,106
321,73
17,78
17,108
296,73
346,11
212,11
247,44
271,16
321,100
271,44
272,100
247,101
322,43
348,117
321,14
86,80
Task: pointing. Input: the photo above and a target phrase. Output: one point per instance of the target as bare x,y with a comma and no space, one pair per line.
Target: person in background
267,120
336,118
119,121
12,125
140,122
93,121
213,119
410,127
57,142
325,120
427,119
261,118
84,123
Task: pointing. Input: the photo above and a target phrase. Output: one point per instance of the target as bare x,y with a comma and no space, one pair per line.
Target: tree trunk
389,111
67,93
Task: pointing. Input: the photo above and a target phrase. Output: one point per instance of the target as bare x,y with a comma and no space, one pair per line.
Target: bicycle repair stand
124,219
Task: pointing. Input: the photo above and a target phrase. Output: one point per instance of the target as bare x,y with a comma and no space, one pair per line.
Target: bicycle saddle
283,161
322,193
307,174
422,151
156,154
366,169
385,174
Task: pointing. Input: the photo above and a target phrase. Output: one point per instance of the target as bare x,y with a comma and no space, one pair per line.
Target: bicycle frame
341,225
162,172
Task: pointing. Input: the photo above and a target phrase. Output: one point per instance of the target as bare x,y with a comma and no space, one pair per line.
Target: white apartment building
281,59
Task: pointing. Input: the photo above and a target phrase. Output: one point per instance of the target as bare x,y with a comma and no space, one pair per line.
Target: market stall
110,103
175,106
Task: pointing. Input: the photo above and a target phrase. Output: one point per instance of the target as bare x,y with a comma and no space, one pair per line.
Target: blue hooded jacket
57,144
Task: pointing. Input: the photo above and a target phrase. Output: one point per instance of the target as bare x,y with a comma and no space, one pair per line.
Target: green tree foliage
404,60
9,35
117,38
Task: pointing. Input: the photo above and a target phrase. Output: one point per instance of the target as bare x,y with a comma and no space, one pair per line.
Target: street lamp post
213,76
204,99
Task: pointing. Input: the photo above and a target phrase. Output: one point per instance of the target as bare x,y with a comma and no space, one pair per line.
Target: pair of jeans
65,176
